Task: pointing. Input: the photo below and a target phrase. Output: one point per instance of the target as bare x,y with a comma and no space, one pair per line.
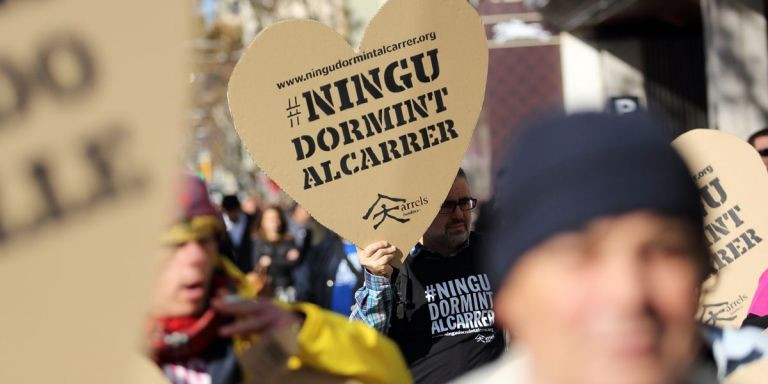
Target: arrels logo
723,311
395,208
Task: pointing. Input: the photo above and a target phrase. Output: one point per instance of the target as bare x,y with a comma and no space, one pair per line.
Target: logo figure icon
710,317
384,213
484,339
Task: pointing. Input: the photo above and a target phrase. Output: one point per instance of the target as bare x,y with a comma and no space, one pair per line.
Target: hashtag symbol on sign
293,112
430,293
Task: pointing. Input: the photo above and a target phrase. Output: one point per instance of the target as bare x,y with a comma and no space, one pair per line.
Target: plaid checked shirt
374,302
376,298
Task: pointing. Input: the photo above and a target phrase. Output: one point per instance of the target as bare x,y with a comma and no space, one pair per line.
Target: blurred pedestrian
437,306
205,328
330,275
299,227
275,251
239,227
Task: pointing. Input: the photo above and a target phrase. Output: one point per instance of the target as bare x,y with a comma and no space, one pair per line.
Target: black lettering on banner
11,78
719,226
397,77
374,123
103,153
705,171
63,68
740,245
46,74
100,153
720,232
298,144
380,153
59,48
358,89
41,174
372,86
709,199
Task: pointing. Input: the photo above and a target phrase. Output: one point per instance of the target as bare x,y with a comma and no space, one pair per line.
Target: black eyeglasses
465,204
763,152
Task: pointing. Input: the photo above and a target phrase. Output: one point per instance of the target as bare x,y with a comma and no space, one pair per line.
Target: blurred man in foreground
599,254
206,328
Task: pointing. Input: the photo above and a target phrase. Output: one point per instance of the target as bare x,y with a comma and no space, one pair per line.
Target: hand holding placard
376,258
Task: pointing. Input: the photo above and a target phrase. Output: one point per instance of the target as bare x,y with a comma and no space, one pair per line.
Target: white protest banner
92,99
733,183
368,141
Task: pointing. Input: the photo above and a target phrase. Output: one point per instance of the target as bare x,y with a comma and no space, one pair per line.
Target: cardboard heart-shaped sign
733,183
368,141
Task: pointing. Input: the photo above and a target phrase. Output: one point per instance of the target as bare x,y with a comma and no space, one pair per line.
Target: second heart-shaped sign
733,181
368,141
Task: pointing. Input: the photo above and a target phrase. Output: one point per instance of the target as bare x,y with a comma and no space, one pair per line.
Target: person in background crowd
298,226
437,306
199,334
252,205
759,140
307,232
330,275
599,255
275,251
238,225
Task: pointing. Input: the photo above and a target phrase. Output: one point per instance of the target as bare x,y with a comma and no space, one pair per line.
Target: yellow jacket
331,344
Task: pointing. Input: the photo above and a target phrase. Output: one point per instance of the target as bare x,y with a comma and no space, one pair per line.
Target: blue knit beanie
564,172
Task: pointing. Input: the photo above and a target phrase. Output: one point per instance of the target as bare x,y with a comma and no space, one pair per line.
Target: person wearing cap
206,327
438,306
598,255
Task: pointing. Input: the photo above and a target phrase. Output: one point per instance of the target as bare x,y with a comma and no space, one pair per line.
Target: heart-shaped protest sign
733,181
368,141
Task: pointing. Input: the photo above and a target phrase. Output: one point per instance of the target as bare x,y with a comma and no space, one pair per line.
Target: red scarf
178,339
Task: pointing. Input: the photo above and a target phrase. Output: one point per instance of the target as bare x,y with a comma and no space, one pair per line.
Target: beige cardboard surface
368,141
753,373
92,101
733,182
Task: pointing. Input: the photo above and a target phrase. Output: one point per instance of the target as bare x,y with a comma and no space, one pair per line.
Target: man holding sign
437,307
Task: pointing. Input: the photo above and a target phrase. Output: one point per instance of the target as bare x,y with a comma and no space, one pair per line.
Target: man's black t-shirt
443,320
